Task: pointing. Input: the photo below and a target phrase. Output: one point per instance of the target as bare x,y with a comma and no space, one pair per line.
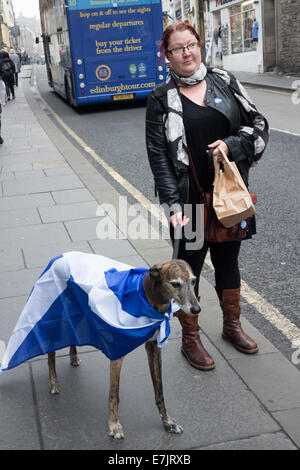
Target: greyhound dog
162,283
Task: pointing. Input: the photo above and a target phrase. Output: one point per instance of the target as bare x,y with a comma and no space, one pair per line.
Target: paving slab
11,260
19,282
153,256
64,212
113,248
272,441
58,171
156,244
82,168
25,201
50,165
17,143
274,379
41,185
16,164
96,182
19,218
290,420
268,80
70,196
7,176
32,235
80,231
18,429
40,255
32,173
10,309
134,260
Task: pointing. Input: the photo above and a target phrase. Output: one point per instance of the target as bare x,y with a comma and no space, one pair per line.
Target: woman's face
187,61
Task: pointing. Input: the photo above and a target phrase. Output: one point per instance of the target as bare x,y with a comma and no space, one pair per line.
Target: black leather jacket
171,182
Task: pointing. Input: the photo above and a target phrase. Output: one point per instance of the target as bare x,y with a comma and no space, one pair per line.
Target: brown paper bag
231,199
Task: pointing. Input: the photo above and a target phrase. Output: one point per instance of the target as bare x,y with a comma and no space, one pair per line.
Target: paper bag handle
216,162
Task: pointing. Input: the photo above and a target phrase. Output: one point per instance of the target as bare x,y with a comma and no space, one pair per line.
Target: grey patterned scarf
173,120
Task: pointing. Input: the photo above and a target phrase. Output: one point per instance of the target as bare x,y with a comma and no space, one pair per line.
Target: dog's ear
154,272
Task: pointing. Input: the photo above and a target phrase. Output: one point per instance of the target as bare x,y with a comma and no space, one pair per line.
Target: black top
203,126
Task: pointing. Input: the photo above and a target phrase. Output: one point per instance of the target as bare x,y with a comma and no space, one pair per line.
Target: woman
196,111
3,99
7,72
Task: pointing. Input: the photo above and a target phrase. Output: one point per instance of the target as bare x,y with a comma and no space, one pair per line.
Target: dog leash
177,238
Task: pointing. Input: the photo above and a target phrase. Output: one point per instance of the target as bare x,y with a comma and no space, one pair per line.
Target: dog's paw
54,390
74,361
172,427
116,431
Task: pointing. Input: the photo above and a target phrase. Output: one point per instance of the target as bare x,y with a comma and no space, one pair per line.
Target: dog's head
175,280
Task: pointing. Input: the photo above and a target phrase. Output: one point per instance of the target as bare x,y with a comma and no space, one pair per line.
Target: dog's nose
195,309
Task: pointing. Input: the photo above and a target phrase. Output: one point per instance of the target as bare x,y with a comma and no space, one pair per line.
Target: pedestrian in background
3,101
16,60
19,53
7,72
198,110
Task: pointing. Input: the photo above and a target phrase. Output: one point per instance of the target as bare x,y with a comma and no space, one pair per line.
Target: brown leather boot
232,328
192,347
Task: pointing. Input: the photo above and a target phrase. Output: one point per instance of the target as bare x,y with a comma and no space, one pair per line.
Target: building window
244,27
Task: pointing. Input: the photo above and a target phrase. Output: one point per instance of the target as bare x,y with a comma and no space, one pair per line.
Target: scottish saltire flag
85,299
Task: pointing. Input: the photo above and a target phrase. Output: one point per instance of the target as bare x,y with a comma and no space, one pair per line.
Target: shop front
235,39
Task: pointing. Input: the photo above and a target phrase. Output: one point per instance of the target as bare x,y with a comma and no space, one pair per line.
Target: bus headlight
161,77
82,85
160,68
79,62
81,76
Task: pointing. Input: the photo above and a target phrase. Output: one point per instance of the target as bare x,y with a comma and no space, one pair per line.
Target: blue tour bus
102,50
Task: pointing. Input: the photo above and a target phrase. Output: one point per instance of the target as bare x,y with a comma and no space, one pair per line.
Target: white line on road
285,132
267,310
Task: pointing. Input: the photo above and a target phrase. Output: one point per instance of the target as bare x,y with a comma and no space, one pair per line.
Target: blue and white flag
85,299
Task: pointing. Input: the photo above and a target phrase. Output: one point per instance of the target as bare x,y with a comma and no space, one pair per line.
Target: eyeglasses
180,50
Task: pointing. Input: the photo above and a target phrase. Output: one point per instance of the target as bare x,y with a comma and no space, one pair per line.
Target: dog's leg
115,429
154,359
74,359
52,374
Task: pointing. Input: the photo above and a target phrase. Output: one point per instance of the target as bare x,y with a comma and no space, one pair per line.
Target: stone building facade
7,21
287,22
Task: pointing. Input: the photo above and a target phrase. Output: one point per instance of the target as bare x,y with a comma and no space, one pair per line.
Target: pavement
49,197
269,80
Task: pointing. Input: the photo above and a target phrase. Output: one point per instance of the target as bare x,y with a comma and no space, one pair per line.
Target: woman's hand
176,219
216,144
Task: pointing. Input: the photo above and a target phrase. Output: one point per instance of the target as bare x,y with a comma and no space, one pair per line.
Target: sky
26,7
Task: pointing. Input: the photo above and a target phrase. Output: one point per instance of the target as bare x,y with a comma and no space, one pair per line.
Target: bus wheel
68,93
50,80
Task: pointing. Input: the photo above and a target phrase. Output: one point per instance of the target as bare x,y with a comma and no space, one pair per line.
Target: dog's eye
175,284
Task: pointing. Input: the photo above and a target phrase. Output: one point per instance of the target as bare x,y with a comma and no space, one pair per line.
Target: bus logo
132,68
103,73
142,68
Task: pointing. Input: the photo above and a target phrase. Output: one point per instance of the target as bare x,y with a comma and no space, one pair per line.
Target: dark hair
178,26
